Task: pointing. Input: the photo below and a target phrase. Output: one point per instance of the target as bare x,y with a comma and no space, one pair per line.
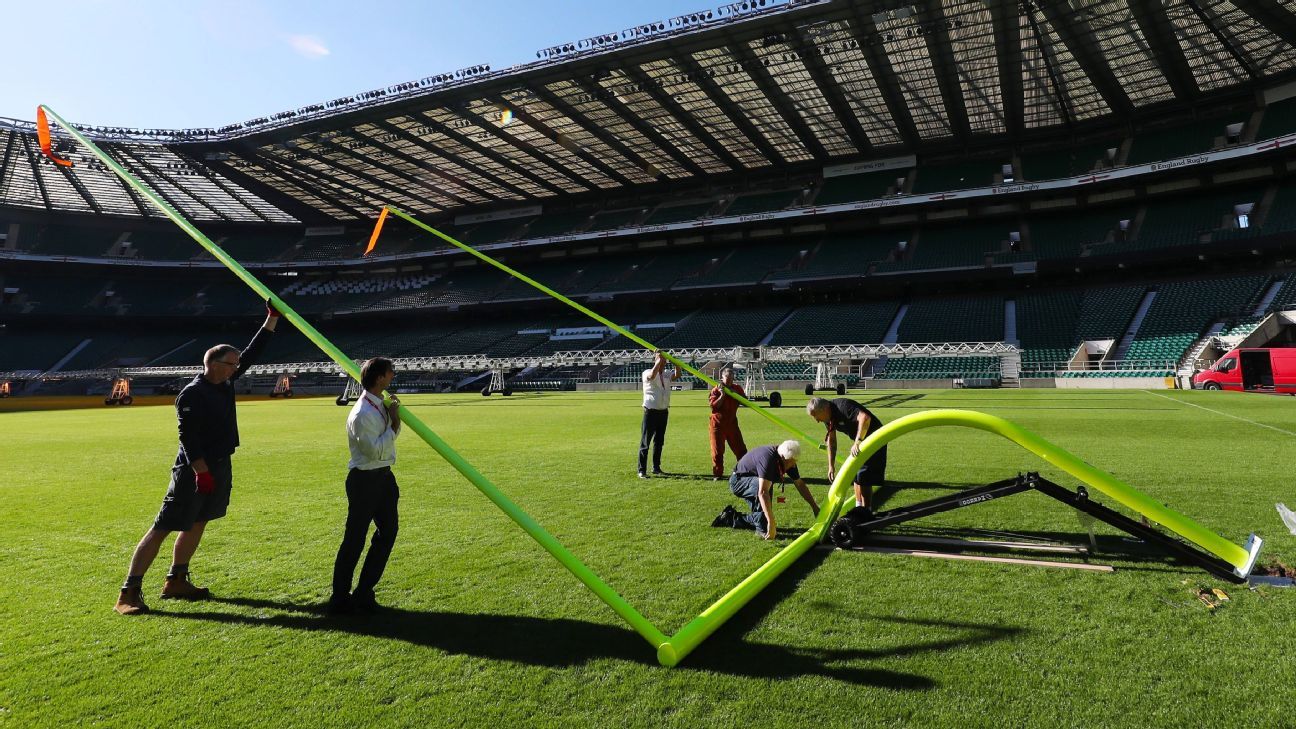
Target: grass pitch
486,628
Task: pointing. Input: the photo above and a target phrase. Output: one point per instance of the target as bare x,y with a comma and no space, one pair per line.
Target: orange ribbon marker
46,144
373,239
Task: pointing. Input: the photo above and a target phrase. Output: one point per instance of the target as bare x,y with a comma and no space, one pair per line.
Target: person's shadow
562,642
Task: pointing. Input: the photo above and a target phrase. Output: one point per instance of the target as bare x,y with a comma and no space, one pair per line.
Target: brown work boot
130,602
180,588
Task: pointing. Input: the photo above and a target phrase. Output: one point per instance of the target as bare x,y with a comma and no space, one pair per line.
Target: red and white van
1251,370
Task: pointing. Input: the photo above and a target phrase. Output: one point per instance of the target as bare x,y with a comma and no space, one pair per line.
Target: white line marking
1217,412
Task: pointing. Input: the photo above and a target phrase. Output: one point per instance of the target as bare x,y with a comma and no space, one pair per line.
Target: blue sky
190,63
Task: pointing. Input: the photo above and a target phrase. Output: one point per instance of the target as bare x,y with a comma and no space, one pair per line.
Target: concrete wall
1115,383
623,386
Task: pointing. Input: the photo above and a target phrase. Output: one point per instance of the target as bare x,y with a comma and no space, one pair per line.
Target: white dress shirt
656,390
370,435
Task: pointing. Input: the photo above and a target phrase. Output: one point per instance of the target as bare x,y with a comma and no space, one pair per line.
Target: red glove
271,311
204,481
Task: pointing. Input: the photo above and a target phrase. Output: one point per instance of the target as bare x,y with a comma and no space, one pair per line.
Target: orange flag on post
373,239
43,136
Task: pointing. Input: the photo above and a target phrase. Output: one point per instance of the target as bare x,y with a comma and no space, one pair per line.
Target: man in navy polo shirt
753,479
201,478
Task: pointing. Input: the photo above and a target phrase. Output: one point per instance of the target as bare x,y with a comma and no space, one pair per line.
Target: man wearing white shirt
656,404
372,494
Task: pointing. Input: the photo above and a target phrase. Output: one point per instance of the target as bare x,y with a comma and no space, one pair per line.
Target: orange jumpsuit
724,428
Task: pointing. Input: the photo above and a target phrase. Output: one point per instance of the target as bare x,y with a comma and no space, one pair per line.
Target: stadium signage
1010,189
874,165
1183,162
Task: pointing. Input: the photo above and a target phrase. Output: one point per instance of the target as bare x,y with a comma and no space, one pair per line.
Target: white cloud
308,46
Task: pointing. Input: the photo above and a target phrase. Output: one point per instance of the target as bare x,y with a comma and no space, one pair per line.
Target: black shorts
873,472
183,505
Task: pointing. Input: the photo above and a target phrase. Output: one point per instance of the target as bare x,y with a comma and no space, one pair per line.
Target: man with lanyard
753,480
857,422
201,478
372,494
724,422
656,405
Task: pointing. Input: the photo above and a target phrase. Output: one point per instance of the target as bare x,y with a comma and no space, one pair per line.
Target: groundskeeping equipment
671,650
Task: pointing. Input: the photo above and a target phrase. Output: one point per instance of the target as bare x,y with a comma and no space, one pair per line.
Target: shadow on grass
727,651
561,642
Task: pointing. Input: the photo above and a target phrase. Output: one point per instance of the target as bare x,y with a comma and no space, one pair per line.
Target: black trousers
371,497
652,431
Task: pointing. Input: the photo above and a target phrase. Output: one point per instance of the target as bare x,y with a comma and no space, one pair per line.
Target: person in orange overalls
724,422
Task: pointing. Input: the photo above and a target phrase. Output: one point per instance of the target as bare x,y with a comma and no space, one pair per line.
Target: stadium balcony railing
1112,368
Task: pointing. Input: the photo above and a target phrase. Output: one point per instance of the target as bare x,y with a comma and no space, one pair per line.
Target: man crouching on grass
201,478
753,479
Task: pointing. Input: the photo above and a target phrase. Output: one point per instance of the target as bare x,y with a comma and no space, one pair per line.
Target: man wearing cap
723,425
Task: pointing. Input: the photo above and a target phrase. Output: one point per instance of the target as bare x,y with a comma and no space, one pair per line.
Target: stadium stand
1068,162
746,264
658,272
1282,212
1187,221
954,319
159,245
930,368
851,255
611,220
1068,235
1046,325
1279,119
855,323
852,188
552,224
721,328
495,231
1182,311
67,240
1178,141
30,350
1106,311
955,247
954,176
678,213
1286,297
761,202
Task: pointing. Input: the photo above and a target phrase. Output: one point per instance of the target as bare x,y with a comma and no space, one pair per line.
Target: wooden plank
997,560
976,543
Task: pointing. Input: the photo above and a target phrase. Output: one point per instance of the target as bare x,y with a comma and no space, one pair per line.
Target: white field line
1218,412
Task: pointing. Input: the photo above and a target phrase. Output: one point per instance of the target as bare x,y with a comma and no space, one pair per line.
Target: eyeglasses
231,364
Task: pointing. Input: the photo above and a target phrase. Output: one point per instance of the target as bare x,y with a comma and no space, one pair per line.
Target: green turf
488,628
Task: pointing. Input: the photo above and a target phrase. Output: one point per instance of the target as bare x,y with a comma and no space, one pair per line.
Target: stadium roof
755,85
